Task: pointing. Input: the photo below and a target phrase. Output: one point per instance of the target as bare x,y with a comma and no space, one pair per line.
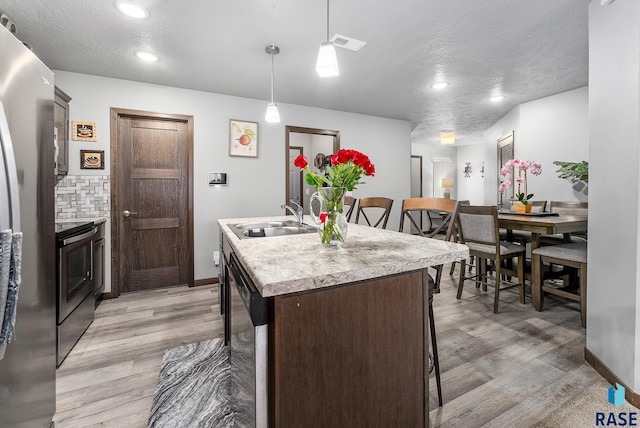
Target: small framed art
84,131
243,138
92,159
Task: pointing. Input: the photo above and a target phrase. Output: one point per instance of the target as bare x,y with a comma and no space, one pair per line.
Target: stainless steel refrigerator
27,369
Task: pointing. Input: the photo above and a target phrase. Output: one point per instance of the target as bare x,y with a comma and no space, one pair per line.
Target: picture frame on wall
243,138
84,131
92,159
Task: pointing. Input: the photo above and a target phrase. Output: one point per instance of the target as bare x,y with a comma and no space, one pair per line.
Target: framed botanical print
243,138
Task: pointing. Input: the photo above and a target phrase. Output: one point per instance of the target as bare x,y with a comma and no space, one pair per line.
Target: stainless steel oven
75,283
248,347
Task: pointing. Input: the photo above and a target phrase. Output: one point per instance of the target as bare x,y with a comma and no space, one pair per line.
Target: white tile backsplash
83,196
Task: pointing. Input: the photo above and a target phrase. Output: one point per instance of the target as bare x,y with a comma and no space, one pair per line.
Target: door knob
127,213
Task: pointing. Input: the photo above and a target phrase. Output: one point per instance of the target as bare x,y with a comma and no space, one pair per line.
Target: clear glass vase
328,202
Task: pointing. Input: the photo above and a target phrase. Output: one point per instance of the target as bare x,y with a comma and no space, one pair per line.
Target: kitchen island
348,329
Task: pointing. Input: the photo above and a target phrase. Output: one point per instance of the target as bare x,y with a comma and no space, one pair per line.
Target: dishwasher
248,347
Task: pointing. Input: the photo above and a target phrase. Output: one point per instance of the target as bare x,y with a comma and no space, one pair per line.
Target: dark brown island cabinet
339,337
354,355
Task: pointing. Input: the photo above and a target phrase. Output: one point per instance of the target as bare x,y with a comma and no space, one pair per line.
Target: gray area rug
581,412
193,388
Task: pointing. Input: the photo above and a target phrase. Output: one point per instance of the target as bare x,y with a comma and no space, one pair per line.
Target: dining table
541,224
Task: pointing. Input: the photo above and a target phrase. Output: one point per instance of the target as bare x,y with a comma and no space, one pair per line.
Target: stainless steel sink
244,226
273,228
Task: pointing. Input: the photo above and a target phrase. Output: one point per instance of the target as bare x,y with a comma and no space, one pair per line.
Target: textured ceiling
525,49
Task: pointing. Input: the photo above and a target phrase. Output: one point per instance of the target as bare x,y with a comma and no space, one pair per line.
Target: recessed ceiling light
496,98
147,56
132,9
439,85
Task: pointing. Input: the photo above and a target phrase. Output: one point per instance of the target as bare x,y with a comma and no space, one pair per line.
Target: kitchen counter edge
289,264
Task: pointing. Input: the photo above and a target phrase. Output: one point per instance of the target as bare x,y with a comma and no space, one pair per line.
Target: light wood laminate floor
110,376
506,370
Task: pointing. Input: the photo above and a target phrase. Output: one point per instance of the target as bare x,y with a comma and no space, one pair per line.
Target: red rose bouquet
344,174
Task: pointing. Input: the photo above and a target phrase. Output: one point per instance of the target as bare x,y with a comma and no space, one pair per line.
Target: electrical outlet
216,258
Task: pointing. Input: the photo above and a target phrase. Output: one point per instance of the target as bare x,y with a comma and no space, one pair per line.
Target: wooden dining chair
415,210
434,342
573,255
477,228
349,204
377,208
418,209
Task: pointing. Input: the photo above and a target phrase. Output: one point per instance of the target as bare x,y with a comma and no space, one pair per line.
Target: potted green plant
573,171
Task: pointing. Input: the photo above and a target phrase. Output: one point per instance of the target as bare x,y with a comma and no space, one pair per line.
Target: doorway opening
317,145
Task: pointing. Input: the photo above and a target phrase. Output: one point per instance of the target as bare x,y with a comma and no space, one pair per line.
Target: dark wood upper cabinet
61,130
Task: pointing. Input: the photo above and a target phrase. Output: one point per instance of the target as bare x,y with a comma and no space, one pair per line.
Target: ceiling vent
347,42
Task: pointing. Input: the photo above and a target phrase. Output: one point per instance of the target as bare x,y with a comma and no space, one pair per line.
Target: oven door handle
79,237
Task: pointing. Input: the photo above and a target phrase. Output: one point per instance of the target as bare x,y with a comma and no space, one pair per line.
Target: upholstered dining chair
573,255
349,204
566,208
378,208
571,208
477,228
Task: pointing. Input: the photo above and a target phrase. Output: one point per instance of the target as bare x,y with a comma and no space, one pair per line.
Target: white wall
613,324
470,188
256,185
554,128
428,152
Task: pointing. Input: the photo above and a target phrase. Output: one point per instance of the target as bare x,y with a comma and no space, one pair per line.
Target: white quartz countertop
287,264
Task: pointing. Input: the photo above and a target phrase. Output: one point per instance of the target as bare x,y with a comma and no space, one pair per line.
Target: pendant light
327,63
273,115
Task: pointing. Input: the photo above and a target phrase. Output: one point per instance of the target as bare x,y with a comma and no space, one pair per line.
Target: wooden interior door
152,158
505,152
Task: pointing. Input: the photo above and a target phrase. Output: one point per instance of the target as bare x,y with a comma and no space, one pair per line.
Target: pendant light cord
271,77
327,20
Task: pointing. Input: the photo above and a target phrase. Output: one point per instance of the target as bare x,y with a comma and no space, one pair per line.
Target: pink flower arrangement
521,180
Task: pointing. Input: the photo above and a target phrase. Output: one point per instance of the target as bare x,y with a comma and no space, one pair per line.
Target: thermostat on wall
217,178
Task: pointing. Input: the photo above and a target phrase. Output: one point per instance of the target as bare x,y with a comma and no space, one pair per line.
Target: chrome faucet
297,211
